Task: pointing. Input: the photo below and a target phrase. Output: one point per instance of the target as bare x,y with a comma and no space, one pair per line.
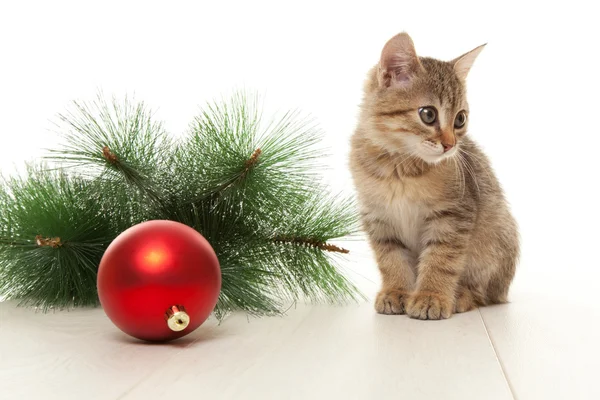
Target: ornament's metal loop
177,319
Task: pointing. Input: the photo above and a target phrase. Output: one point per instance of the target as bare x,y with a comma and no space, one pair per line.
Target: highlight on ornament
236,197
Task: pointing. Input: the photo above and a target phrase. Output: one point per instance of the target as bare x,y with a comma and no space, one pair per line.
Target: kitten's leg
468,298
397,275
441,264
395,263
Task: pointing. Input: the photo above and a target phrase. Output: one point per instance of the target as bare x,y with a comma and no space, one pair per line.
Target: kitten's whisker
459,177
470,172
478,159
462,178
408,156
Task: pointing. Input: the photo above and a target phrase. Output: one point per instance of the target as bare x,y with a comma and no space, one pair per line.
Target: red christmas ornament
159,280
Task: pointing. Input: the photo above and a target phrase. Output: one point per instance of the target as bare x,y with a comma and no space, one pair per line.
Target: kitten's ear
399,62
463,64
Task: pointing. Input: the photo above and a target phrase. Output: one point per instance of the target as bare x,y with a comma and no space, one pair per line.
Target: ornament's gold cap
177,319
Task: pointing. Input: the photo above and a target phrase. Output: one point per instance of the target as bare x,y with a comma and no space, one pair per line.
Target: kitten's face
418,105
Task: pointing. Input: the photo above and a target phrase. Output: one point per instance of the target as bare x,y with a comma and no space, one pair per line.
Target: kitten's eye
428,115
460,120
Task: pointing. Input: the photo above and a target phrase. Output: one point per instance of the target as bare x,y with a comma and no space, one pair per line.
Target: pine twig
109,155
248,165
48,242
251,162
311,243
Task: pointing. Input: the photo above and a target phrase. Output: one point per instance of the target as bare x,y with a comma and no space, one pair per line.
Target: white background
534,91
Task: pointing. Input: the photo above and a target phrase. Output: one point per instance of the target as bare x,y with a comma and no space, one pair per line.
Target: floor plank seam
487,332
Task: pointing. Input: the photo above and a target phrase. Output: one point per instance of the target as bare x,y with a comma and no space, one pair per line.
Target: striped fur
438,223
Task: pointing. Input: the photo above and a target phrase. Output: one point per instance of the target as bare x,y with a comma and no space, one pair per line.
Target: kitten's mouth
433,153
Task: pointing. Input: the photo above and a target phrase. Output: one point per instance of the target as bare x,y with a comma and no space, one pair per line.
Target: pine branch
117,142
250,188
213,159
52,236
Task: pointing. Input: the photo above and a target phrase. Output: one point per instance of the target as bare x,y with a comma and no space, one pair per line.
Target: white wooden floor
540,346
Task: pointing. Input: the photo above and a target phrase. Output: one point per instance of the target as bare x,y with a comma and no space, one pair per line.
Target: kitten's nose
447,146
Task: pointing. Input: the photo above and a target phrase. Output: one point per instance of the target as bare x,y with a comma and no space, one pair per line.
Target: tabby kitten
434,212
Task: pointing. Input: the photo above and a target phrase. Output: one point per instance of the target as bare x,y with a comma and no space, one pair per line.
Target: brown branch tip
109,155
48,242
313,243
253,160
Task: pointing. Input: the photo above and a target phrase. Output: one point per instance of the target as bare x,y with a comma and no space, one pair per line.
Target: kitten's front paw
391,301
426,305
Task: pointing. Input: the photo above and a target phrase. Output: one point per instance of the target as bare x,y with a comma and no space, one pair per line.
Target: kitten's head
417,105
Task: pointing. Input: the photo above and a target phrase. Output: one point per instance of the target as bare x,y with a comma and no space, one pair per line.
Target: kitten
434,212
